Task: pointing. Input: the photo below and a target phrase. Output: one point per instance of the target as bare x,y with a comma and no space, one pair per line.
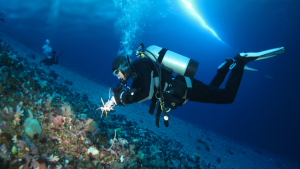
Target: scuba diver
50,61
153,79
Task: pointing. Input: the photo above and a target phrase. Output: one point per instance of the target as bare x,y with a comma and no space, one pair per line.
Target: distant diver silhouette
51,61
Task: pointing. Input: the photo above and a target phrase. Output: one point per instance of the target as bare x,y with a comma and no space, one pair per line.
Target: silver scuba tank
178,63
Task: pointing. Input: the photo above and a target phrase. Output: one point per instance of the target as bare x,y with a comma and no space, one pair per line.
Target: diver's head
121,68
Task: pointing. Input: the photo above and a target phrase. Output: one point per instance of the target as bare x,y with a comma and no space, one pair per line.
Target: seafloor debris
44,124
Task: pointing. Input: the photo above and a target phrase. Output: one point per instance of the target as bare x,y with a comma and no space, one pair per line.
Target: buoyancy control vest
179,90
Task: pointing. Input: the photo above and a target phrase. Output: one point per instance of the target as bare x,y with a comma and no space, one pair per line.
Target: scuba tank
178,63
172,62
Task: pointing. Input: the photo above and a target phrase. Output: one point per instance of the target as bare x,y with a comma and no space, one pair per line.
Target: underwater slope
46,122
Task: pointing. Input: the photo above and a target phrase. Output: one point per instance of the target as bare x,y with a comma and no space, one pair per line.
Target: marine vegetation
45,124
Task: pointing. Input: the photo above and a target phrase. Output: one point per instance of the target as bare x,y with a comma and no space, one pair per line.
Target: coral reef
40,129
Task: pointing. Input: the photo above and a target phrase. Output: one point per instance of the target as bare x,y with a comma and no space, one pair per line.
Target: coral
49,99
5,60
22,148
5,139
42,83
32,126
111,132
117,165
3,150
14,150
7,115
58,120
66,110
122,142
18,114
158,163
53,158
7,128
91,125
132,149
51,133
93,150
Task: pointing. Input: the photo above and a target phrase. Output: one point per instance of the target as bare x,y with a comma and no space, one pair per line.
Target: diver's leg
211,94
56,61
222,71
52,59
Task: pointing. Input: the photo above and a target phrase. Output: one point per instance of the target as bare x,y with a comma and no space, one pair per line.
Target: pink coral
33,149
58,120
6,114
3,150
66,142
21,144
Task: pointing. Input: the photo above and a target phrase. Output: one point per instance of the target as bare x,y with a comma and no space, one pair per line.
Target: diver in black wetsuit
51,61
151,81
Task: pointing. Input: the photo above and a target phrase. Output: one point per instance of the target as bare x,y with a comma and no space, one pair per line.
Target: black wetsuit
143,87
212,93
51,61
200,92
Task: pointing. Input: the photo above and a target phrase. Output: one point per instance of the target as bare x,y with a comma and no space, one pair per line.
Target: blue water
265,113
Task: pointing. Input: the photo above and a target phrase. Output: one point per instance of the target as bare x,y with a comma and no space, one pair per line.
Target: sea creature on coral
108,106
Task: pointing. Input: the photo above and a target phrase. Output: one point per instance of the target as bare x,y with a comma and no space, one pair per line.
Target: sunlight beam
189,6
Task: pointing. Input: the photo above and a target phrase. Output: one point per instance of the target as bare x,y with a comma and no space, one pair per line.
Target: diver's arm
130,96
145,82
60,54
125,96
141,88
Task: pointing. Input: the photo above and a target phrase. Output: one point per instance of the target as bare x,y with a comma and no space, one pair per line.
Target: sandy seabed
232,154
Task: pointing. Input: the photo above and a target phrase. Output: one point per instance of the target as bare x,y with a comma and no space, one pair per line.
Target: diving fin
250,69
264,54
